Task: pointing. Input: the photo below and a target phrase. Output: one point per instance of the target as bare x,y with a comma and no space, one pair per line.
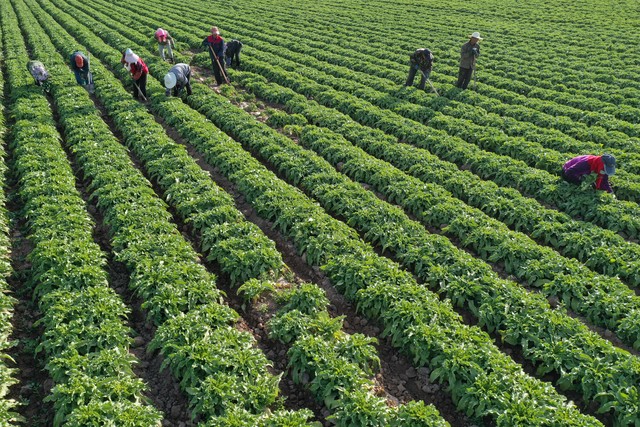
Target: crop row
520,316
486,137
291,43
618,259
337,366
558,65
598,207
291,213
85,339
310,44
615,215
573,284
514,67
196,333
378,76
171,164
8,405
179,170
602,250
213,117
511,91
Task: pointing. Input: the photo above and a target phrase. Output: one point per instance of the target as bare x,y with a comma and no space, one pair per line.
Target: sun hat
609,164
475,35
170,80
131,57
79,61
214,30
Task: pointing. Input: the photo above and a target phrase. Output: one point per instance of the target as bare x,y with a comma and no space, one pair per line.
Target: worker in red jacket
139,72
577,169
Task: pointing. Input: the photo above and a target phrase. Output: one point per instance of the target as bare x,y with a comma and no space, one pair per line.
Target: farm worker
577,169
80,67
233,52
138,70
37,70
178,77
216,46
468,55
421,59
164,40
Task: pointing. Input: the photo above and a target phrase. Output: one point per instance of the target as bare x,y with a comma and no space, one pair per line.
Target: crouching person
80,67
178,77
420,60
578,168
37,70
232,54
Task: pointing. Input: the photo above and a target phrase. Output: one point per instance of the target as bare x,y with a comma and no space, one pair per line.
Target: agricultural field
316,244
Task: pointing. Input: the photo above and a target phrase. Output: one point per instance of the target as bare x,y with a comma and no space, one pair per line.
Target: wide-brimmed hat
609,164
214,30
131,57
170,80
475,35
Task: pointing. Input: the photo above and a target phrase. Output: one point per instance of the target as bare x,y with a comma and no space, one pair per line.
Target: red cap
79,61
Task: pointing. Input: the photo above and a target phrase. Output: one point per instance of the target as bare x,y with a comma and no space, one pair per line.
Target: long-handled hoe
226,79
430,84
140,91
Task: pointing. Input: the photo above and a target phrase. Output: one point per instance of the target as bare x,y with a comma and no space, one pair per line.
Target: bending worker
80,67
178,77
233,53
421,59
37,70
577,169
165,41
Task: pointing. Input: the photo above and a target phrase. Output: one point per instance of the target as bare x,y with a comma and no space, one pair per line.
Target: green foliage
280,119
253,289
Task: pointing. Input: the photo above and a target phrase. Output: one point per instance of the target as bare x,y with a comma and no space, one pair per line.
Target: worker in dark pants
233,53
178,77
468,55
80,66
577,169
139,72
420,60
215,46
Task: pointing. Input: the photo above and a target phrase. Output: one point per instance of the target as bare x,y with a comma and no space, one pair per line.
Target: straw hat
475,35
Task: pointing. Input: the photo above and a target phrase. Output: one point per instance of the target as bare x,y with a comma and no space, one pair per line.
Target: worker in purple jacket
577,169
